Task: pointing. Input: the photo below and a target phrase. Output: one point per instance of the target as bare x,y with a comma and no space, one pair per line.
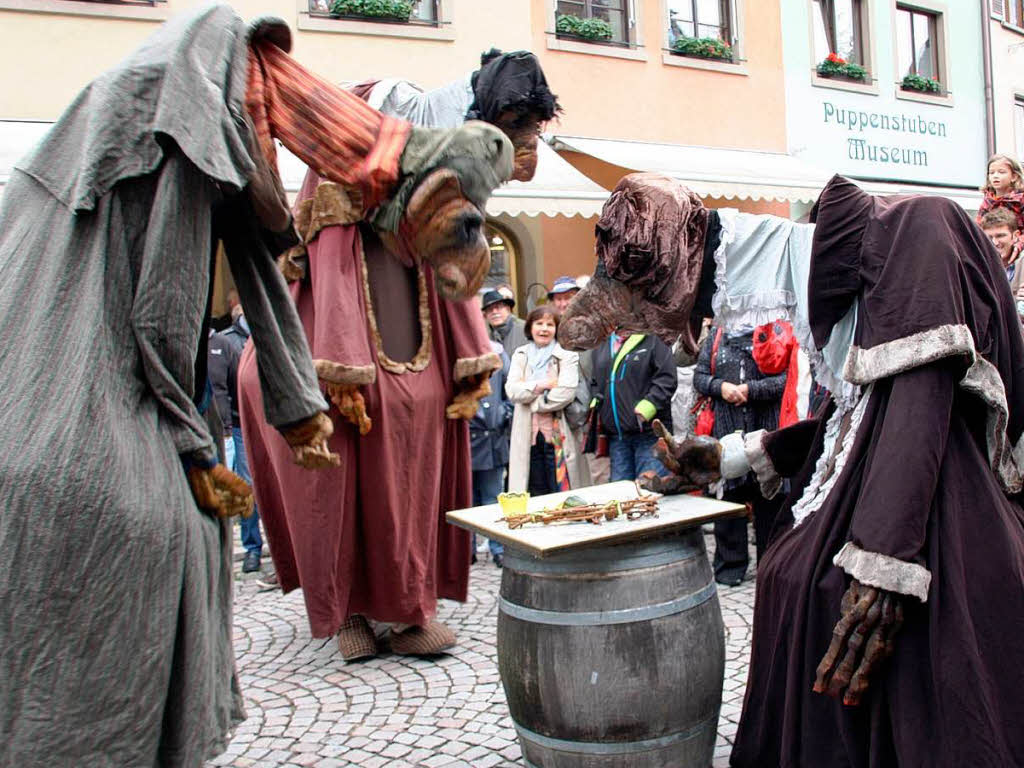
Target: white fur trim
884,572
982,380
761,463
734,460
821,486
873,363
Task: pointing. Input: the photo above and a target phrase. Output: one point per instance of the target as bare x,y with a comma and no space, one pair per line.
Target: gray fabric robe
115,595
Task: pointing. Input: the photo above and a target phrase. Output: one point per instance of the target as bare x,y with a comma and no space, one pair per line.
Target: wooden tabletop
674,513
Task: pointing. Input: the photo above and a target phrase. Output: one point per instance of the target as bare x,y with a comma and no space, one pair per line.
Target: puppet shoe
429,640
356,639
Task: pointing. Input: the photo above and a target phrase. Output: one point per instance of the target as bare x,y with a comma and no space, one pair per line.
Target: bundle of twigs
645,506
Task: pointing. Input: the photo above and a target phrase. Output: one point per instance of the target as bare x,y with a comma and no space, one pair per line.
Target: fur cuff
761,463
331,204
884,572
339,373
292,263
472,366
864,366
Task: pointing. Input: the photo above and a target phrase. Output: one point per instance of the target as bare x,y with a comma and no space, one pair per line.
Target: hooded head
437,213
511,92
650,244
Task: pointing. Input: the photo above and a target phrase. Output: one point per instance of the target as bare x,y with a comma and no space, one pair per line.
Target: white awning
557,189
741,174
710,172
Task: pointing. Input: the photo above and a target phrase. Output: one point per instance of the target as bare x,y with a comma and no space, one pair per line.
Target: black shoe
730,579
251,563
499,560
267,582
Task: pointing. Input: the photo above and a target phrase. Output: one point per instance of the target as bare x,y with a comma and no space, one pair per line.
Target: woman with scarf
542,382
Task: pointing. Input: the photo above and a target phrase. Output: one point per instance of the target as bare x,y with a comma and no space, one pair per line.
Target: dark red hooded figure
913,489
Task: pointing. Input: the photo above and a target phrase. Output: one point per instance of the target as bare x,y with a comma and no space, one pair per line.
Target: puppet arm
220,491
889,527
694,463
472,384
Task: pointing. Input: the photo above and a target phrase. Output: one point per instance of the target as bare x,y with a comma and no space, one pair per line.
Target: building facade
644,97
1006,30
888,92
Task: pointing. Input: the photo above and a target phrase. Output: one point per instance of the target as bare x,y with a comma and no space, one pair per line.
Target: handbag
703,408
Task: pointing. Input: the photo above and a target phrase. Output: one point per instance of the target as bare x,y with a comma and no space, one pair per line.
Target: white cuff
884,572
734,459
761,463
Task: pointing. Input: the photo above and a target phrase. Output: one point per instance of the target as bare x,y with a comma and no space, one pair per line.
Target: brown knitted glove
308,440
349,401
471,390
220,491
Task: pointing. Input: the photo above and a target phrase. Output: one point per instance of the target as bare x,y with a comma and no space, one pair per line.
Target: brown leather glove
220,491
350,403
308,440
471,390
862,639
694,462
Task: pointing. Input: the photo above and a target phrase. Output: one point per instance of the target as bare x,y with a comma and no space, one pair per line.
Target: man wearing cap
562,291
503,327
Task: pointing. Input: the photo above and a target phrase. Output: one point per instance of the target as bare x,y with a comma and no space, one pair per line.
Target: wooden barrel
613,656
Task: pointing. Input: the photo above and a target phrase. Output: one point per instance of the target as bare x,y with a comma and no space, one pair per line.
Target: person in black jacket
488,444
633,380
744,400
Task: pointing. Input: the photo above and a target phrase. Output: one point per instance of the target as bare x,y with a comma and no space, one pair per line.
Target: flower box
592,30
372,10
835,66
703,48
921,84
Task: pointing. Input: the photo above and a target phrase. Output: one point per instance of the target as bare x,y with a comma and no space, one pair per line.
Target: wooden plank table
610,645
675,513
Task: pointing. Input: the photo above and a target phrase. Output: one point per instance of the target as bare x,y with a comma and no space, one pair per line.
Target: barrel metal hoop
598,618
616,747
596,563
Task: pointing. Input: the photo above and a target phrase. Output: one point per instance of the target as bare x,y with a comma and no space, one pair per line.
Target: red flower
835,58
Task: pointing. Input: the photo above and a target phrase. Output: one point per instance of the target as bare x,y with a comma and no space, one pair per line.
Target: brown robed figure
888,624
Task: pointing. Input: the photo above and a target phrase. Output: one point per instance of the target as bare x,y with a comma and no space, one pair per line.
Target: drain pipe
986,58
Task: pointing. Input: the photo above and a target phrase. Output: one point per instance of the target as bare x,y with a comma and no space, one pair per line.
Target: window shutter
997,8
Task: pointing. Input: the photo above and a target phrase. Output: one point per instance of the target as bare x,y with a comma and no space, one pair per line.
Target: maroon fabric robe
925,501
369,537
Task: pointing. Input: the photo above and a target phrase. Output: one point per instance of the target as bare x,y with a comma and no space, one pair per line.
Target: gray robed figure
115,626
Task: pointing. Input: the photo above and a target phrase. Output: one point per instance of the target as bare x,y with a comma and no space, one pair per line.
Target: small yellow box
513,503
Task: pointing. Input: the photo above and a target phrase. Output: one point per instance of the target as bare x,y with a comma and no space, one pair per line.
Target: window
1018,125
423,12
615,12
917,43
839,28
699,18
1013,12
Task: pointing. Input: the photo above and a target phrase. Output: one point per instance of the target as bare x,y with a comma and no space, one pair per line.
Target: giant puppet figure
888,619
403,358
115,595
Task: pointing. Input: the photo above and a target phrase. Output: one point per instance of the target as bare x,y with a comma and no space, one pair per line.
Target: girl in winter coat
541,382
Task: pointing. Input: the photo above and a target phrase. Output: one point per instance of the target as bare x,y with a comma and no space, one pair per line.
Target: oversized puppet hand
220,491
471,390
694,462
862,639
308,440
349,401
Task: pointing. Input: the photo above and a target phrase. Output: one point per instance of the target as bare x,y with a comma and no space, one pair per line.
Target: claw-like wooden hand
220,491
862,639
308,441
694,462
350,403
468,395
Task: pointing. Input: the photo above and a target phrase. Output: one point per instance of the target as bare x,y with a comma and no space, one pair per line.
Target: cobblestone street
308,708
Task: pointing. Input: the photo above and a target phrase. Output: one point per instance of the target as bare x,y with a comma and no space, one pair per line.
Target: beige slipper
356,640
430,640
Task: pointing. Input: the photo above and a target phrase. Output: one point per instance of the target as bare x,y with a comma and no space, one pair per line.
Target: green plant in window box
593,29
836,66
396,10
703,47
921,84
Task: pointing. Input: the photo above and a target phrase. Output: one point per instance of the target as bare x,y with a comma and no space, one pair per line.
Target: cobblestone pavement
307,707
